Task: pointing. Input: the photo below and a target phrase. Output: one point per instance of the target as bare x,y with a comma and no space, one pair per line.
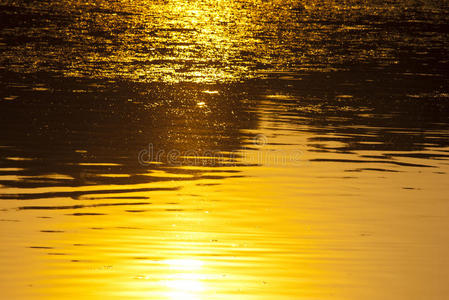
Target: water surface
224,149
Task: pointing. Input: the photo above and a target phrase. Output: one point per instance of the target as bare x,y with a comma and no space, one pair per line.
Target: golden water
224,150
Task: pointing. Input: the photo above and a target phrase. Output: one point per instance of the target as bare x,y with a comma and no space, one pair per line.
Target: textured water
224,149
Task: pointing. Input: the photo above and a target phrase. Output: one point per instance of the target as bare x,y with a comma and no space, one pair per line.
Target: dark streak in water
77,195
40,247
81,206
86,214
372,169
371,161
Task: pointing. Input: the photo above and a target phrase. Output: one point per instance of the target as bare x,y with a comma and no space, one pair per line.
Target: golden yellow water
224,150
295,230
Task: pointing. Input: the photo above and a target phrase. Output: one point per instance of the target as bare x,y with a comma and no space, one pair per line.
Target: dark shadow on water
90,132
393,115
73,132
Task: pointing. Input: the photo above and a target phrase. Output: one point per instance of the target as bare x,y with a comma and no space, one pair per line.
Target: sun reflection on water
184,281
